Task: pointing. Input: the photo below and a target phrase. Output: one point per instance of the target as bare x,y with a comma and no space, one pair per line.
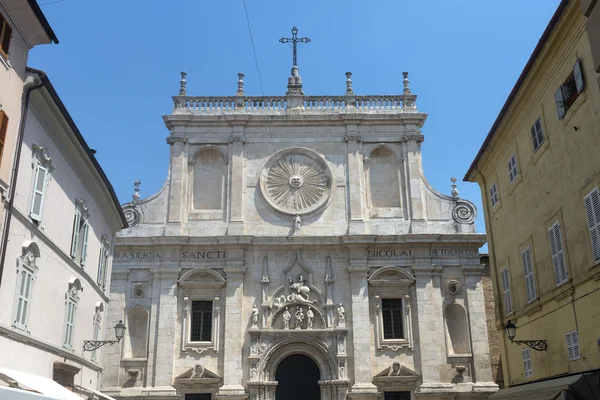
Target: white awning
100,395
8,393
580,386
40,384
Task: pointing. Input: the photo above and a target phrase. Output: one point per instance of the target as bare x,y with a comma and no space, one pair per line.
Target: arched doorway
297,378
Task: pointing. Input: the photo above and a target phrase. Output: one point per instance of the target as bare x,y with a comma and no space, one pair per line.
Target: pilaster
361,333
355,180
236,186
177,185
479,333
413,173
234,329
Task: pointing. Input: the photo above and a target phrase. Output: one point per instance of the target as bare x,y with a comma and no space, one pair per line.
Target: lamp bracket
91,345
539,345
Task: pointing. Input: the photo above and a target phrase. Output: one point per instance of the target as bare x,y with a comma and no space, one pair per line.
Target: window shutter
6,38
101,267
592,211
578,77
573,348
528,272
75,239
3,129
560,103
39,191
506,289
528,367
558,255
84,246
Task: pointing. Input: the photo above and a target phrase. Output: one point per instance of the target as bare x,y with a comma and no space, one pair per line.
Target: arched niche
382,169
209,169
136,336
457,333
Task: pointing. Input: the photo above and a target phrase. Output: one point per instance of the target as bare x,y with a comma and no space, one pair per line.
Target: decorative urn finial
406,83
182,84
454,192
136,191
240,89
349,90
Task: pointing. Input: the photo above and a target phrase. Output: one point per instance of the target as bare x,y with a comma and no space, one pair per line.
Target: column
355,181
361,333
233,333
166,320
236,181
482,375
431,347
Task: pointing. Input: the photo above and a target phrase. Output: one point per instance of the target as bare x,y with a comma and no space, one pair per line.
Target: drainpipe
494,271
31,84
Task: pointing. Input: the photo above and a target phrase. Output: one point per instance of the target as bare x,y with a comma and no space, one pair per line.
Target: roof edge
82,142
42,19
536,52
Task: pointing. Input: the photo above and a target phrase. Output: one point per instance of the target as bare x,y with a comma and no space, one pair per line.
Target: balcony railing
282,104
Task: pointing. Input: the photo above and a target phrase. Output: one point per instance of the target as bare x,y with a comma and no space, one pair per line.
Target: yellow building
539,173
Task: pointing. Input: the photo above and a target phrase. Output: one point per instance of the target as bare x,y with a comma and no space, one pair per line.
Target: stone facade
296,220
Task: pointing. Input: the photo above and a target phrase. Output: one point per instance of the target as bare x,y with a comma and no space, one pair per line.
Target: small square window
512,168
568,92
537,134
494,194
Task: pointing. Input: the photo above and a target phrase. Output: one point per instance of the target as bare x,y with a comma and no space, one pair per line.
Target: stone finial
349,91
136,191
182,84
405,81
295,83
240,89
454,192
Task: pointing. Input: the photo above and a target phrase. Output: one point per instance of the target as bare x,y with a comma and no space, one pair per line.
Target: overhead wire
253,48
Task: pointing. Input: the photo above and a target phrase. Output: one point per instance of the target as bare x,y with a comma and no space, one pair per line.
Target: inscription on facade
403,253
183,255
453,252
388,253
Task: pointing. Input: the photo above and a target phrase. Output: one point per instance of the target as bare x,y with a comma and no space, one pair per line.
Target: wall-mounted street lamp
91,345
511,330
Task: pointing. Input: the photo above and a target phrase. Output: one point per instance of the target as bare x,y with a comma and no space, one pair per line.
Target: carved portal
296,181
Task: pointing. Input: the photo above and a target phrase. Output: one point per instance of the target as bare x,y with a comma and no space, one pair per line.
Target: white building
58,256
296,251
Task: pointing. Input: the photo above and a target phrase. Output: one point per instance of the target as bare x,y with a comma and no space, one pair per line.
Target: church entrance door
297,379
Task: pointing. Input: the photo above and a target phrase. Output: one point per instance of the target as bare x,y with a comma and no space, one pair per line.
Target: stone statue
254,315
341,348
286,318
299,318
297,223
309,315
395,370
341,315
299,290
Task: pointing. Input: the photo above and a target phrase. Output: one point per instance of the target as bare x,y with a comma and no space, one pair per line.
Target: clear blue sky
118,63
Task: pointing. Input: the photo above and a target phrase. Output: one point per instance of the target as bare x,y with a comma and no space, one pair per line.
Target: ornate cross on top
295,40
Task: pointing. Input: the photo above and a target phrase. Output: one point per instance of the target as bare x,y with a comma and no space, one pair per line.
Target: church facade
296,251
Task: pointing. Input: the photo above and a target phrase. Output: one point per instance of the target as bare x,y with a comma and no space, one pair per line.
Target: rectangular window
3,129
573,348
5,36
25,280
69,323
512,168
528,273
592,212
508,304
558,254
568,92
527,362
391,313
39,191
396,396
537,134
201,323
95,336
102,268
494,194
79,242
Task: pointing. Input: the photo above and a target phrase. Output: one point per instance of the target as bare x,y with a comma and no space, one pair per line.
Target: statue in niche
341,315
310,315
286,318
299,318
341,348
342,370
254,316
297,223
254,347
